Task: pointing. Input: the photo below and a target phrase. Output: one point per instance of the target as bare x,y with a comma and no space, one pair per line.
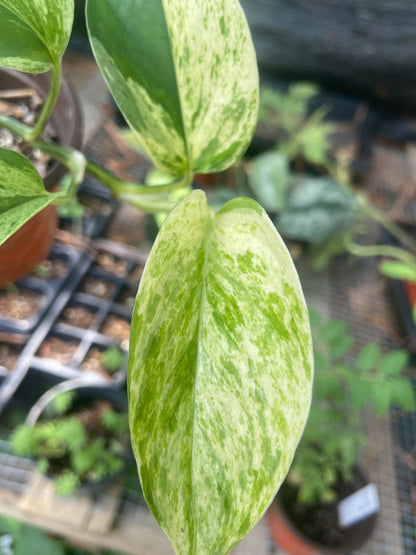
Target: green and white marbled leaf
35,33
220,372
22,193
184,74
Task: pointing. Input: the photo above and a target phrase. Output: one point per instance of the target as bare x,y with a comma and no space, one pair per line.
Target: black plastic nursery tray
23,305
85,330
98,208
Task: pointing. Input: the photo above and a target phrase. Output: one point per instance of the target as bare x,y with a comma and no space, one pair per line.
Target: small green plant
305,135
344,384
113,358
325,211
71,450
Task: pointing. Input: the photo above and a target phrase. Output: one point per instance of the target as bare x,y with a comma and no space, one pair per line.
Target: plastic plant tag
358,506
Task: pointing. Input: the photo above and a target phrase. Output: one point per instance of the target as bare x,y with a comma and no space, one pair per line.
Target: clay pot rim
367,526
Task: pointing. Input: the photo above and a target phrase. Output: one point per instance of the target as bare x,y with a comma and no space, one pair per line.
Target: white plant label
358,506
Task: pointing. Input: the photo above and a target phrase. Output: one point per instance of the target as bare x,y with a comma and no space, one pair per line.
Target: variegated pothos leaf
220,372
35,33
22,193
184,74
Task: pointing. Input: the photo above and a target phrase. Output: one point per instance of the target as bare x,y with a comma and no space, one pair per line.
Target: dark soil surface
58,349
9,355
78,316
19,303
135,274
96,287
112,264
25,106
94,363
117,328
50,269
319,523
127,297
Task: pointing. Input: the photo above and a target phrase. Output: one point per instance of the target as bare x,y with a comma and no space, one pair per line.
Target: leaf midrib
205,272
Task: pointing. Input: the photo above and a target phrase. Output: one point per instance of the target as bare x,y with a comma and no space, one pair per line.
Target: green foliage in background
345,383
71,451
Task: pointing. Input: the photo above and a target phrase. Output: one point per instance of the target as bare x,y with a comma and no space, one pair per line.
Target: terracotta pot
24,250
285,534
295,542
32,243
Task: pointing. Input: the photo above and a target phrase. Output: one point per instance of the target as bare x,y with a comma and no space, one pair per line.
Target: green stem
56,76
153,198
120,187
72,159
381,250
31,134
149,198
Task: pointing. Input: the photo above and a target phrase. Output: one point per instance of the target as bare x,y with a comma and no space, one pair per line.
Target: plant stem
56,75
153,198
72,159
31,134
382,250
119,186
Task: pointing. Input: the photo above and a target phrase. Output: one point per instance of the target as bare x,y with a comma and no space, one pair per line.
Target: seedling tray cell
89,313
23,305
78,315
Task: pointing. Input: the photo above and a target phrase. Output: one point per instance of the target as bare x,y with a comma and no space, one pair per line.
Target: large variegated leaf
34,34
22,193
220,372
183,73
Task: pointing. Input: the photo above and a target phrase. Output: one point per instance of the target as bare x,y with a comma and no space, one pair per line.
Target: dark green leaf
34,34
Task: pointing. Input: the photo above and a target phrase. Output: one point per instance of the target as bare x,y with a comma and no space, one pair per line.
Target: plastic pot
296,542
32,243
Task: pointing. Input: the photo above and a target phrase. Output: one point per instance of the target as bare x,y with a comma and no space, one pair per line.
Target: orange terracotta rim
29,246
285,535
